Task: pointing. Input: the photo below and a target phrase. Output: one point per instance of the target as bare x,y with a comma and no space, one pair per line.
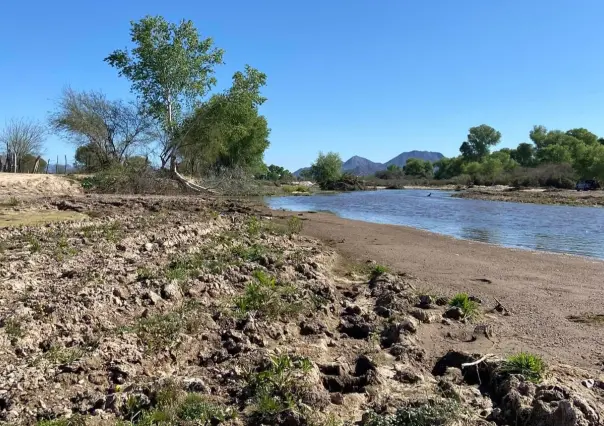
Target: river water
560,229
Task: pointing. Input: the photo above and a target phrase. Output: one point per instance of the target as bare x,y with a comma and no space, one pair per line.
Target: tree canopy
480,140
326,169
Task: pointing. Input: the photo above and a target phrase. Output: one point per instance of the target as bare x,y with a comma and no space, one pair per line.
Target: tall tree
583,135
171,69
110,130
227,130
417,167
524,154
22,137
480,139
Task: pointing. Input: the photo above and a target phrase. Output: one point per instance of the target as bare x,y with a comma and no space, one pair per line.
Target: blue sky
372,78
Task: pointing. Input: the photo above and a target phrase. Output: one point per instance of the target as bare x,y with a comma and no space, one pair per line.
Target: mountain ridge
361,166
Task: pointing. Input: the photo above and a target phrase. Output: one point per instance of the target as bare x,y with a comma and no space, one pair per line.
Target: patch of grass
63,249
531,366
33,218
58,355
289,189
253,226
470,308
278,387
164,330
433,413
144,273
72,421
34,243
112,232
294,225
13,328
377,271
268,298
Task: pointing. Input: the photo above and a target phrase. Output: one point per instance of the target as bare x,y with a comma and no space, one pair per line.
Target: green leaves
480,139
327,168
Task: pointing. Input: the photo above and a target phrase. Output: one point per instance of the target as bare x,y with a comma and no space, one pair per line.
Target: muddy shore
204,311
536,196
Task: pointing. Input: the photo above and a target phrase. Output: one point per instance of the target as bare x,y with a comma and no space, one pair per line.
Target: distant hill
401,159
360,166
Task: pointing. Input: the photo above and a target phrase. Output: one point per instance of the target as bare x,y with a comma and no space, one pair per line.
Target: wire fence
14,163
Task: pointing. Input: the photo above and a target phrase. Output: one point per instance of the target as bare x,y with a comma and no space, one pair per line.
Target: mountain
401,159
360,166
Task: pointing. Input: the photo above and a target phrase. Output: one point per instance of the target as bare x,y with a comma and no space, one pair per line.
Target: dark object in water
429,194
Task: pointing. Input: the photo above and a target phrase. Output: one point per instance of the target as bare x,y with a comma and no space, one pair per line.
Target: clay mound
17,184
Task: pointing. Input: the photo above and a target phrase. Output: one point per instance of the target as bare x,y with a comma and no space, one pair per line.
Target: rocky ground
536,196
191,311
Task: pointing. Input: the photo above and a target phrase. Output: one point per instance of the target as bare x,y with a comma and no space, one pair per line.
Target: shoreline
542,289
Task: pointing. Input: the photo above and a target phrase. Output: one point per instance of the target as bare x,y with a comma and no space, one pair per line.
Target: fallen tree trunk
188,184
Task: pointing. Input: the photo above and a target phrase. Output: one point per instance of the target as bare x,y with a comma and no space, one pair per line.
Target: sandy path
18,184
541,289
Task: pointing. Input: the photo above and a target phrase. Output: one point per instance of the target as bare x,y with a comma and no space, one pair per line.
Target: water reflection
575,230
480,234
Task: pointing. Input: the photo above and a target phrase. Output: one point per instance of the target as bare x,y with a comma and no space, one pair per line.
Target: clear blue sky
372,78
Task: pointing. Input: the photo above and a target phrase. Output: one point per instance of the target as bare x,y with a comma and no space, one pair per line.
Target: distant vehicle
587,185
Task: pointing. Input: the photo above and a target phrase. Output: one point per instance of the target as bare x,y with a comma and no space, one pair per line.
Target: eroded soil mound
26,185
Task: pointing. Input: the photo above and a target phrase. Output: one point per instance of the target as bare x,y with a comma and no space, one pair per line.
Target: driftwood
500,308
188,184
36,165
469,364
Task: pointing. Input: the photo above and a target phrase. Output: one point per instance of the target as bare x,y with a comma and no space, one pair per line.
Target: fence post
65,171
47,164
57,166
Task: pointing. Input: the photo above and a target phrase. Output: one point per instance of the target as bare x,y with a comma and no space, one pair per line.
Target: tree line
175,118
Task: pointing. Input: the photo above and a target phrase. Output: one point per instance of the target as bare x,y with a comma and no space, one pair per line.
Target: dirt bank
542,290
536,196
20,185
196,311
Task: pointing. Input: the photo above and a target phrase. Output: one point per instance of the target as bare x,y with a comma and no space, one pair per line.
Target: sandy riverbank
535,196
542,290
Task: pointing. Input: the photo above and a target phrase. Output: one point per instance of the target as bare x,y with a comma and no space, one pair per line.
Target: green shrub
437,413
469,307
278,387
529,365
294,225
13,328
377,271
268,298
34,244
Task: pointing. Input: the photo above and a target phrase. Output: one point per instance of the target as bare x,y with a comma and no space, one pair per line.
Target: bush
128,179
377,271
267,298
294,225
469,307
433,413
528,365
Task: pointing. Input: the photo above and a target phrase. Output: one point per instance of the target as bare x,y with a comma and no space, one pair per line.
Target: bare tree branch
22,137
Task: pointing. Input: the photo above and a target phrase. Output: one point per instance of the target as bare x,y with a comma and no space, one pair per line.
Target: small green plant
58,355
278,386
112,232
469,307
294,225
34,244
13,328
434,413
63,249
529,365
377,271
144,273
254,226
268,298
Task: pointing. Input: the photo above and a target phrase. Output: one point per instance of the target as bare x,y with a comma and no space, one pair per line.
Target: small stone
422,315
454,313
408,376
149,247
337,398
121,292
446,321
171,291
589,383
442,301
425,301
409,324
153,297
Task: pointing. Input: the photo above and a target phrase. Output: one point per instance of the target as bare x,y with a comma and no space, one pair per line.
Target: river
560,229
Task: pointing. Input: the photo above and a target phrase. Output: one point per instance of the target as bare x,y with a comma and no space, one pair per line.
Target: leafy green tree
447,168
276,173
480,139
327,168
393,168
554,154
171,69
583,135
417,167
538,135
589,161
524,154
504,157
227,130
473,168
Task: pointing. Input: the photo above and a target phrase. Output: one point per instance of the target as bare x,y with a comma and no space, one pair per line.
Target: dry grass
28,218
